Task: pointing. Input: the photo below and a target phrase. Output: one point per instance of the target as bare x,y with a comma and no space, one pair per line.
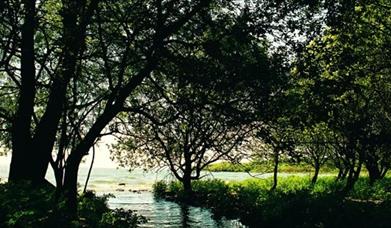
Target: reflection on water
162,213
185,214
132,190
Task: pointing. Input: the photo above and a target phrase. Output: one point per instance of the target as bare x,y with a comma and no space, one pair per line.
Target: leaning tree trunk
316,173
343,171
70,182
341,174
76,156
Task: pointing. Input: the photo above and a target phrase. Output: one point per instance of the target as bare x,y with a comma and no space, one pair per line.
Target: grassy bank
295,202
24,206
263,167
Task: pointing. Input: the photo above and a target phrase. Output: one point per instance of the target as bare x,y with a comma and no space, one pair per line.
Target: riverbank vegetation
26,205
296,202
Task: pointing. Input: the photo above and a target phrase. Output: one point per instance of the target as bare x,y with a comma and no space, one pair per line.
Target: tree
186,144
69,67
91,56
279,136
197,105
315,146
346,76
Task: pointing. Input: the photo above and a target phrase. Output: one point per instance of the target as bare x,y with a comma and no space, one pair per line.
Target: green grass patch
267,167
295,202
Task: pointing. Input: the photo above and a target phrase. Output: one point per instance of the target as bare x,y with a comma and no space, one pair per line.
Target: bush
22,205
120,218
295,202
159,189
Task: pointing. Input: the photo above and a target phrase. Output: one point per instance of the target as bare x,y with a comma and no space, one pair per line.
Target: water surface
132,190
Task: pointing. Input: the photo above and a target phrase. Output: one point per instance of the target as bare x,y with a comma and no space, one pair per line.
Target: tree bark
354,173
33,154
23,157
70,182
113,107
187,186
316,173
373,172
187,175
75,157
275,170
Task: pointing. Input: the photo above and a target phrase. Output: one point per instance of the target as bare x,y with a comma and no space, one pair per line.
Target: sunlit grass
295,201
264,167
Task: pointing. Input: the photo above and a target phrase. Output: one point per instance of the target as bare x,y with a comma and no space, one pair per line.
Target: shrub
295,203
22,205
120,218
159,188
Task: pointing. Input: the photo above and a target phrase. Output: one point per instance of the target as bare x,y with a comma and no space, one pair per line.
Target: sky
102,156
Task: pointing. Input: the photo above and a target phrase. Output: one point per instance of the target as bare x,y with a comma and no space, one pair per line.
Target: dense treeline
327,102
186,83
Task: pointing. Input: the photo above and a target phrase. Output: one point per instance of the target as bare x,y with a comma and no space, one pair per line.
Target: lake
132,190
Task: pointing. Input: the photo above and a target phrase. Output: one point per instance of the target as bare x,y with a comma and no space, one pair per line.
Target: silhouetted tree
345,76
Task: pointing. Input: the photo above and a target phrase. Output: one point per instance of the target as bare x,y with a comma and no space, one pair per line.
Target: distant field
267,167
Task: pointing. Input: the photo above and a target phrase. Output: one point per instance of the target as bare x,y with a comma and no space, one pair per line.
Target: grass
263,167
295,202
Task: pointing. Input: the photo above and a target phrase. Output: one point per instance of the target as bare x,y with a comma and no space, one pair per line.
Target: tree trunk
316,174
275,170
70,182
89,170
342,173
187,175
349,183
187,186
59,176
74,159
33,154
374,173
339,175
23,157
353,176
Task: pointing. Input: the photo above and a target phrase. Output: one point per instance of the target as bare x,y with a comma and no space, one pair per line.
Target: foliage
185,82
68,68
21,205
294,203
159,188
195,112
121,218
343,79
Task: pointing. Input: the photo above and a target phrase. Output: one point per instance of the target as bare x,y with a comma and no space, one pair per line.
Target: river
132,190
